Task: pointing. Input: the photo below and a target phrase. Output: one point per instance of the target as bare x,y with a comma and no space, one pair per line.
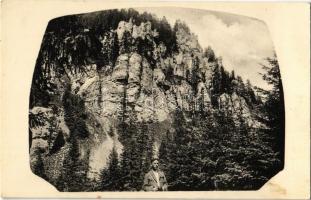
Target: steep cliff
88,85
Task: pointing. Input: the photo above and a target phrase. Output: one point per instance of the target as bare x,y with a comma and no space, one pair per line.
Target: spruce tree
274,108
110,176
37,166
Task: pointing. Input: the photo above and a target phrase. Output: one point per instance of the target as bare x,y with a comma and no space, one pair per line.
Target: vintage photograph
156,99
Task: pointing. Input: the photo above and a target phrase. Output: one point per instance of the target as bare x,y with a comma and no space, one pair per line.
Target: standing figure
155,179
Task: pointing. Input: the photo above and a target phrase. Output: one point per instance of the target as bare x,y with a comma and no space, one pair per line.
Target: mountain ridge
95,89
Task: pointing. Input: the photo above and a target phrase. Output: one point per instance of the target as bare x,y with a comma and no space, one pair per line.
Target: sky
242,42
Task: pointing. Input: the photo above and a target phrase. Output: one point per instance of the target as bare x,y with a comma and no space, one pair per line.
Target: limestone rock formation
145,79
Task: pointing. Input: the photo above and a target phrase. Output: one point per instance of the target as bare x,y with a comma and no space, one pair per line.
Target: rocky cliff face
143,80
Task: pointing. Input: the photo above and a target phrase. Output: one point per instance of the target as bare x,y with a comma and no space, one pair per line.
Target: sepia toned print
198,91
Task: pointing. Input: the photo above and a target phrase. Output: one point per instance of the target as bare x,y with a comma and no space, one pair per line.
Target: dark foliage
58,143
138,141
225,82
209,54
214,154
207,149
273,107
110,177
73,42
73,175
37,166
75,114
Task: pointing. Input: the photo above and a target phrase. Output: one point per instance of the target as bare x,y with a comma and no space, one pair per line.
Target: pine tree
181,164
208,131
75,114
250,94
37,166
209,149
138,148
110,176
274,107
69,179
215,87
148,131
209,53
232,75
129,156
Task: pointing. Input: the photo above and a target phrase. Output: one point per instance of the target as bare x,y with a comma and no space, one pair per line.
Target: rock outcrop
143,81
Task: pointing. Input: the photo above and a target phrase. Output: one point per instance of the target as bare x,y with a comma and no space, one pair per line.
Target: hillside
112,89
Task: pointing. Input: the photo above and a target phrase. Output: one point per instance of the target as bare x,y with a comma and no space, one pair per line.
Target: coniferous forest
113,89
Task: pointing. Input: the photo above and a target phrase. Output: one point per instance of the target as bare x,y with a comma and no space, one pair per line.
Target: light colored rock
158,75
38,109
179,70
132,92
145,104
86,85
160,105
171,99
179,58
143,30
121,29
133,84
184,95
238,108
135,68
44,134
202,95
146,78
120,71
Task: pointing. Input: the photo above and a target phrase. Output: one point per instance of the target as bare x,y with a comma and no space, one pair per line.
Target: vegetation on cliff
214,131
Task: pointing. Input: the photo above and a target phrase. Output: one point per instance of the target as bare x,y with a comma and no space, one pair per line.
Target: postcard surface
155,100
